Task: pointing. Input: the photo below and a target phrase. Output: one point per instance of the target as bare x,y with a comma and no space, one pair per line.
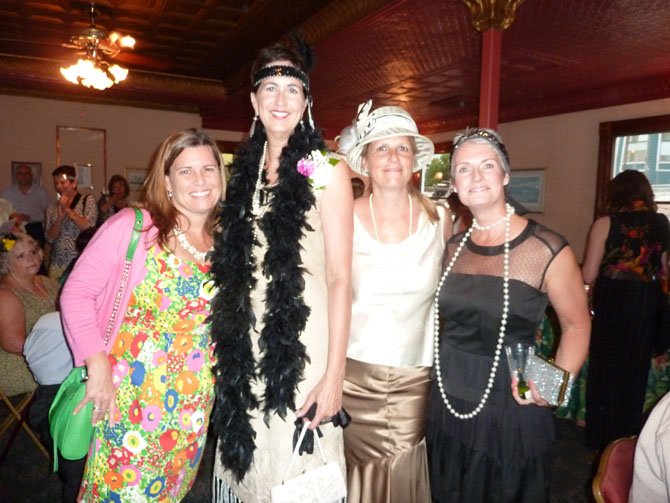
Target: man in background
29,200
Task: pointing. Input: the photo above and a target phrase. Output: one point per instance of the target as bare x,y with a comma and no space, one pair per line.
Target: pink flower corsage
318,168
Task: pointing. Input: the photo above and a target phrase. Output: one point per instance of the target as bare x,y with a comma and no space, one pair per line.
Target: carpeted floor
25,474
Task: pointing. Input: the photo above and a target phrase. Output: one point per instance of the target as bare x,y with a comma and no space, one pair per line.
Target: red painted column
489,86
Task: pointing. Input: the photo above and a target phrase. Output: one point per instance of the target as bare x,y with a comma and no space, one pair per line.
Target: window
642,144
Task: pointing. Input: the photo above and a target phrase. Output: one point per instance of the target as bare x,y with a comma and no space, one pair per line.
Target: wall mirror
641,144
86,150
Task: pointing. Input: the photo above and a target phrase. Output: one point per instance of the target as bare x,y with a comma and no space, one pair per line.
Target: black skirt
626,318
501,455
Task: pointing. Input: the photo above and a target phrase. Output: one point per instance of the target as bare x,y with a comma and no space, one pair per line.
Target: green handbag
72,433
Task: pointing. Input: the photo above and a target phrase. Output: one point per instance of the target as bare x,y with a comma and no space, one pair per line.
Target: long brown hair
626,188
156,199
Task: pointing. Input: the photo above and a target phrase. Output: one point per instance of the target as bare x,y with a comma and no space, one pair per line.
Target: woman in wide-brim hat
399,239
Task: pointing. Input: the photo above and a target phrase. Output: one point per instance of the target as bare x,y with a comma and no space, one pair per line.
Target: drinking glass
517,358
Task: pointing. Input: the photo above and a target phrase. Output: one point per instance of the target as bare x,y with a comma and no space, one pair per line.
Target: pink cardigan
88,295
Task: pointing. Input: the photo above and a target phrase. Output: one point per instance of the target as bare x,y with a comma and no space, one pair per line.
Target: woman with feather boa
282,265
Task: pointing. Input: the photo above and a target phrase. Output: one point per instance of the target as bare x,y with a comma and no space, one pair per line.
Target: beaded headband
281,71
284,71
484,134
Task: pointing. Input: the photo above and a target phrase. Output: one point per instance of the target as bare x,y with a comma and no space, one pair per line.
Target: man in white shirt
651,472
30,201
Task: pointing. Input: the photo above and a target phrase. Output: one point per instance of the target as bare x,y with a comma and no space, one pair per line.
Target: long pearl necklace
503,320
256,201
256,198
186,245
374,221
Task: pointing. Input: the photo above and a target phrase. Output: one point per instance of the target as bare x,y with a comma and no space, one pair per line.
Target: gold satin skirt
384,445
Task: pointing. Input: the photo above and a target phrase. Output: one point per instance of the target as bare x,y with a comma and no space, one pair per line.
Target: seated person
23,292
25,297
651,472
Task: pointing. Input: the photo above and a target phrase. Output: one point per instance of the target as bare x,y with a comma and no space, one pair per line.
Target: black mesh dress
500,455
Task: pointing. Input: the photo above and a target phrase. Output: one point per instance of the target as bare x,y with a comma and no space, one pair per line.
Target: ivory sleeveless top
393,290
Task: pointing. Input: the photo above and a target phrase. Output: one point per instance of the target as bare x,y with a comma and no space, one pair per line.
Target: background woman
399,237
25,298
152,386
484,441
65,219
625,261
115,200
283,267
22,290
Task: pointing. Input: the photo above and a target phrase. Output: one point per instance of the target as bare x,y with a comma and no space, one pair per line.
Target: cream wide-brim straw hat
386,122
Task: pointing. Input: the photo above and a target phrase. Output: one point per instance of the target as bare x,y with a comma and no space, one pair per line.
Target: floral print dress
627,302
162,369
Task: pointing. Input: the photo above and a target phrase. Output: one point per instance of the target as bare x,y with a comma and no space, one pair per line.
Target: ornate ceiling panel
557,55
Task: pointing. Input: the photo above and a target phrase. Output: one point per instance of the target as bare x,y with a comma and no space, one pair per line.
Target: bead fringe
221,493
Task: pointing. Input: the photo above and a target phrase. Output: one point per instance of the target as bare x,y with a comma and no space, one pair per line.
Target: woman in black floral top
626,261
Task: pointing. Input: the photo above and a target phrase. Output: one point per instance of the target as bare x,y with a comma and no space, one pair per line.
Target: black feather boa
233,267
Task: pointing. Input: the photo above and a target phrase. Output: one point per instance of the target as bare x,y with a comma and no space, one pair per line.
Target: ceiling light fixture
93,70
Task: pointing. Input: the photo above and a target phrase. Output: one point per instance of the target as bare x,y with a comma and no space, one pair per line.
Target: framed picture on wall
136,178
35,167
84,175
526,187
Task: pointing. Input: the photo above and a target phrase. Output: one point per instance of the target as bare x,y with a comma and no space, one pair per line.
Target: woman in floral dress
152,385
625,262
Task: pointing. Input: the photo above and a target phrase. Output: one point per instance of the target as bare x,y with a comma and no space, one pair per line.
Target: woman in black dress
486,443
625,261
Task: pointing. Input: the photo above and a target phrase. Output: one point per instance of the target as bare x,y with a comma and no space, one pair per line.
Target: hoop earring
252,130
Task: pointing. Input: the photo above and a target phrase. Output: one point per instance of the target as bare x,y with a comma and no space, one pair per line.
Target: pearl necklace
478,227
256,201
256,198
374,221
503,320
186,245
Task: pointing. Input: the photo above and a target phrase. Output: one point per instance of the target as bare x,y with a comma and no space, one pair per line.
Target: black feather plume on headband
297,41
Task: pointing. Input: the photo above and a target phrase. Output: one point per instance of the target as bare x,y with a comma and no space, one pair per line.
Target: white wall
567,146
28,132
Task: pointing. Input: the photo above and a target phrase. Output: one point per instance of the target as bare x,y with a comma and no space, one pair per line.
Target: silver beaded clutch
553,383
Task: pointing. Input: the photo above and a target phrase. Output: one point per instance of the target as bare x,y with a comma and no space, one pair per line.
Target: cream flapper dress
274,443
389,360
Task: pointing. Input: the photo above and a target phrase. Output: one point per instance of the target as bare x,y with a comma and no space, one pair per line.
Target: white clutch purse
324,484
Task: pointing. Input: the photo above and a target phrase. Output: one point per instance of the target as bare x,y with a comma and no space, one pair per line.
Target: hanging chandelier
94,70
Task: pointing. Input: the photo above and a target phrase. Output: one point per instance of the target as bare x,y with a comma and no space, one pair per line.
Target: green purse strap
135,237
132,246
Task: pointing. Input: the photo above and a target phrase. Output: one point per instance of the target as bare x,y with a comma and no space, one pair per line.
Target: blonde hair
4,255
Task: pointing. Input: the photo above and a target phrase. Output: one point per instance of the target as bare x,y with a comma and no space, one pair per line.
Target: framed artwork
526,186
84,176
136,178
35,167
